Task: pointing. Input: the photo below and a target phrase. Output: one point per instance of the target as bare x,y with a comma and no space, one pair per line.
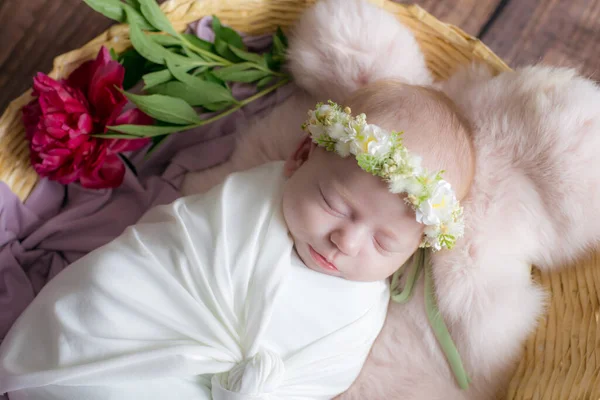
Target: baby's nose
348,240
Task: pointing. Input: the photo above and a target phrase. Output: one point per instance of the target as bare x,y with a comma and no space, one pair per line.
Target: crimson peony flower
60,121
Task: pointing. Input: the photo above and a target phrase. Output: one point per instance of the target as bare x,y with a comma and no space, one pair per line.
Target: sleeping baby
273,284
266,286
533,199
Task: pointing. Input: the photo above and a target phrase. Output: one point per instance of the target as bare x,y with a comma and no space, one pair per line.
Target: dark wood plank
33,32
469,15
556,32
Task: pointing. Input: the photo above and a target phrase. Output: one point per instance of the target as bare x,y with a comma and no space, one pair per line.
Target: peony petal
103,94
85,124
32,113
109,175
82,76
134,116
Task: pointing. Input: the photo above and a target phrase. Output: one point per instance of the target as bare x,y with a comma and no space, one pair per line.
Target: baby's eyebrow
344,195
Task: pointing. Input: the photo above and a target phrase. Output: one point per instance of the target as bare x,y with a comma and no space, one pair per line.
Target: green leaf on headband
326,142
205,91
369,163
154,15
165,108
109,8
136,131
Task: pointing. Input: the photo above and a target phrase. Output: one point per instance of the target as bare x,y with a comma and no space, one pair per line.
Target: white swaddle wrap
203,298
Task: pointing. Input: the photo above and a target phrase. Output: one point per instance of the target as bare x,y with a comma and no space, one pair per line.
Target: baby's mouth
321,261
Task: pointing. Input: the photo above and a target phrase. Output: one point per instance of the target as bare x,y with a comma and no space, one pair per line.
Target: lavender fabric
59,224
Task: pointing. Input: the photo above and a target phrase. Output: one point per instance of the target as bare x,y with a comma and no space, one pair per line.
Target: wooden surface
562,32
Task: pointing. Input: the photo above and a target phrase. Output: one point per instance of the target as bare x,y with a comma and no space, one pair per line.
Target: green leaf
277,56
151,50
165,108
206,92
134,17
246,56
243,72
216,106
209,76
143,44
113,54
145,130
281,37
199,43
274,62
165,40
225,37
129,164
278,45
222,49
156,141
135,67
154,15
228,35
264,81
112,9
156,78
115,136
188,94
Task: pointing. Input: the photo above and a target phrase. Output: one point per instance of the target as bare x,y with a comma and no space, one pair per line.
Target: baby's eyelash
331,209
381,248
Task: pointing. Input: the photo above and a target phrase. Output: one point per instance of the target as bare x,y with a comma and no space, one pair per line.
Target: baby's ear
299,157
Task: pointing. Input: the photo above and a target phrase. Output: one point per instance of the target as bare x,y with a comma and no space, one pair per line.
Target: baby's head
345,221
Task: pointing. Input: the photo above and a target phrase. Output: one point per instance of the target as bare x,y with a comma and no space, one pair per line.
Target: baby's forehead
369,194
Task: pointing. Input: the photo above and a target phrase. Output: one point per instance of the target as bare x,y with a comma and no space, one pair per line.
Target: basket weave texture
560,360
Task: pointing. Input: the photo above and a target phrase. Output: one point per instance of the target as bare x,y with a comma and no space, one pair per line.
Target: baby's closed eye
333,206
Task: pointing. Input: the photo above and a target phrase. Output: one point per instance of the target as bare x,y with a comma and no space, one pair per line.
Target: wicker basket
560,359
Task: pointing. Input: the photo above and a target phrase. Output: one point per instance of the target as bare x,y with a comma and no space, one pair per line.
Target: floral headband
382,154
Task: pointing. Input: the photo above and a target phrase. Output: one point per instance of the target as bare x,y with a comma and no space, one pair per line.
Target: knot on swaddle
253,378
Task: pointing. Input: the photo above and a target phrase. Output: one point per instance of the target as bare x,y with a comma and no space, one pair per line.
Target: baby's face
345,222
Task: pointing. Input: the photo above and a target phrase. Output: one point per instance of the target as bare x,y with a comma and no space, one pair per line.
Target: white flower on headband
382,154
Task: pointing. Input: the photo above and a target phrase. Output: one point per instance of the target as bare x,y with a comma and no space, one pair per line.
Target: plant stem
239,105
244,102
205,53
